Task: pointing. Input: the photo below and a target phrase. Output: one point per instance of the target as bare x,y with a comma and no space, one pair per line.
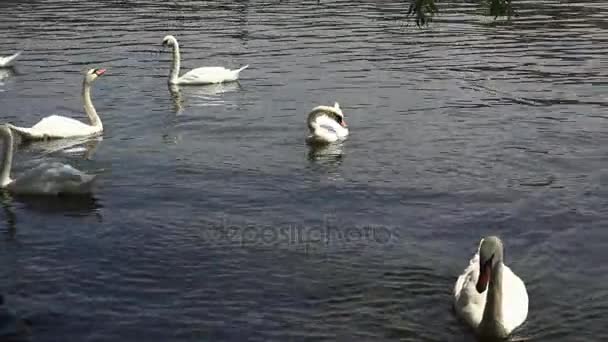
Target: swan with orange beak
488,296
326,125
57,126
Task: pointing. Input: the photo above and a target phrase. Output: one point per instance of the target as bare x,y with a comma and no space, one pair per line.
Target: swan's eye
339,119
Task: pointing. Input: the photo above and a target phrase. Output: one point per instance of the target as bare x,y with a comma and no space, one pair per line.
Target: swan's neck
492,320
88,105
174,73
7,159
316,119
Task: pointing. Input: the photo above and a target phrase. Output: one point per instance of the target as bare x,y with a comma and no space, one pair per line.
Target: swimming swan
45,179
205,75
326,124
6,61
57,127
488,295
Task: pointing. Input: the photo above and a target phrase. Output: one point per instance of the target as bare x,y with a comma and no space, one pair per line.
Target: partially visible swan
56,126
46,179
488,295
6,61
205,75
326,124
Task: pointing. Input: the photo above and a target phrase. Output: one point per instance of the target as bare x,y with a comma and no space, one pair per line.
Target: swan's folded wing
515,300
207,75
56,126
329,128
468,303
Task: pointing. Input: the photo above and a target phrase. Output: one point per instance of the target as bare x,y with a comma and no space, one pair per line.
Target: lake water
212,219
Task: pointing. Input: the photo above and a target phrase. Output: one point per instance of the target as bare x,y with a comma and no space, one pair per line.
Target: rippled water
213,221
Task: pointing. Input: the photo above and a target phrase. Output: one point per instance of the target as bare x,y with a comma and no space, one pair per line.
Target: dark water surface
213,221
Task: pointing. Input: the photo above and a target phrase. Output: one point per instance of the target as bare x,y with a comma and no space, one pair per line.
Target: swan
205,75
488,296
6,61
45,179
57,127
326,124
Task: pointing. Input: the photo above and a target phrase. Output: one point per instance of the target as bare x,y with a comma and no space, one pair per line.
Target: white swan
488,295
45,179
326,124
56,126
6,61
205,75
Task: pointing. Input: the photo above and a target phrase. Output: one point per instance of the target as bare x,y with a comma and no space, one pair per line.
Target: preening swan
488,295
56,126
326,124
6,61
45,179
205,75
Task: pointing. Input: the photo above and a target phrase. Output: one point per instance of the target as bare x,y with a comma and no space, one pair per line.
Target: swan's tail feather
25,133
5,61
19,130
243,68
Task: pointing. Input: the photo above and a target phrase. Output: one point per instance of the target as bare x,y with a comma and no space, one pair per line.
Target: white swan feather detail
326,125
488,296
204,75
6,61
57,126
45,179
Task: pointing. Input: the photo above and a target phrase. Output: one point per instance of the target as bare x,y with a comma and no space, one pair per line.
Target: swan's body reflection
327,155
5,74
72,205
205,95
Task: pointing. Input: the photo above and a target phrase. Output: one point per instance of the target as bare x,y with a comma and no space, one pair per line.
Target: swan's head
169,41
490,255
93,74
339,116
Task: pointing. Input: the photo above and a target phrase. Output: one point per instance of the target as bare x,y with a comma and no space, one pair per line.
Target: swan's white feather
210,75
469,304
52,179
6,61
56,127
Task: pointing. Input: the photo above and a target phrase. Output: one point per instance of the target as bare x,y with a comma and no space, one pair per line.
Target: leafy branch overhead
423,10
